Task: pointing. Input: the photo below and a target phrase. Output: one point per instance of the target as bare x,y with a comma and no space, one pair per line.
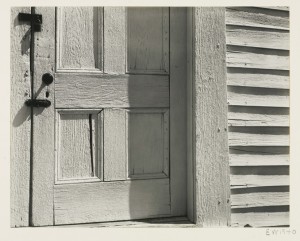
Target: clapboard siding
257,58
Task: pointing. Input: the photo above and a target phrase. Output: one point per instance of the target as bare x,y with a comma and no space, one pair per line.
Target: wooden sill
174,222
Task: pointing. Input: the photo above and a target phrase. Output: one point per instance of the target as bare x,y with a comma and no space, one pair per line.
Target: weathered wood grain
251,139
115,166
113,201
259,199
178,112
43,148
19,119
77,152
114,40
253,17
212,194
258,160
257,220
244,181
257,119
147,40
148,143
99,91
258,38
256,78
258,97
258,114
242,57
80,33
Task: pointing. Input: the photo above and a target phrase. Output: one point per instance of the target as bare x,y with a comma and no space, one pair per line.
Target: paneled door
112,145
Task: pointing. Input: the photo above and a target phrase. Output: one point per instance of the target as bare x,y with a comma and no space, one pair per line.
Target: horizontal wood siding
257,41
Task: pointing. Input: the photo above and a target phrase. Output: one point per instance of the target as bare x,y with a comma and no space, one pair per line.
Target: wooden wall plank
257,119
242,58
178,106
212,191
43,154
240,77
115,167
258,38
258,114
250,139
252,17
244,181
260,219
19,116
111,91
115,40
258,160
259,199
252,98
148,199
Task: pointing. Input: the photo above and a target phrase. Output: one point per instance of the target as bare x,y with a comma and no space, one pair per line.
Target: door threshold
173,222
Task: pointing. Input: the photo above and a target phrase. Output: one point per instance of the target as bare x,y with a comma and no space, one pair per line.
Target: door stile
178,122
43,158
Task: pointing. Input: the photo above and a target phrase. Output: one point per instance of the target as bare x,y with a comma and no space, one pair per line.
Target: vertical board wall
258,115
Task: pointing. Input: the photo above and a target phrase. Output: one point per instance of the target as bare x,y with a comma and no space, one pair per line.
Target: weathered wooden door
112,146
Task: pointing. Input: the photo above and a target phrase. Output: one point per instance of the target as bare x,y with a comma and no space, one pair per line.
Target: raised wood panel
265,219
115,167
79,145
257,78
80,38
245,181
251,139
148,40
254,17
258,160
242,57
259,38
259,199
127,200
99,91
240,96
148,143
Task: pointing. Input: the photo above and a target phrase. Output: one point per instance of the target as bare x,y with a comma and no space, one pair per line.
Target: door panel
148,40
148,143
118,150
79,145
80,38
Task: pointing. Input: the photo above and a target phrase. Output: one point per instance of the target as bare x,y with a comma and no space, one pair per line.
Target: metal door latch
38,103
35,19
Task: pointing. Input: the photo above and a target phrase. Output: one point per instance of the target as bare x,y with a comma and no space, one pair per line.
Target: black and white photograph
150,117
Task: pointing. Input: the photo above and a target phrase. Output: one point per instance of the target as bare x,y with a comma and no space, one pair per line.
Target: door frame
208,199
